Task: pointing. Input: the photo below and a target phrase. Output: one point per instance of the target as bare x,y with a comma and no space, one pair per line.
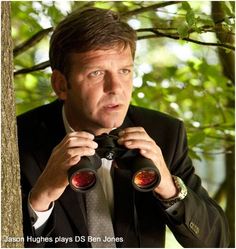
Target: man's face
98,89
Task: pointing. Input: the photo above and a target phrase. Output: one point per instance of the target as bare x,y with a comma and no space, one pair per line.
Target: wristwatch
182,193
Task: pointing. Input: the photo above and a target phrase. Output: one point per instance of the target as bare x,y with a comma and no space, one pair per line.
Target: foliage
177,68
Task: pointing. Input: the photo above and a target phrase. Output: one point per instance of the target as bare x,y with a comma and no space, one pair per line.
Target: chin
110,120
113,124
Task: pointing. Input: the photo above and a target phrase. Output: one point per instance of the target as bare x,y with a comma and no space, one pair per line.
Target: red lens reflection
145,178
83,179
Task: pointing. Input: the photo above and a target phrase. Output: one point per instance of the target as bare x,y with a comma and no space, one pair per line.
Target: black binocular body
83,176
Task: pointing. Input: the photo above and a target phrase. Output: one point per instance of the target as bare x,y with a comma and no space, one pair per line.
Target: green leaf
194,155
190,18
227,8
148,77
196,139
183,31
186,6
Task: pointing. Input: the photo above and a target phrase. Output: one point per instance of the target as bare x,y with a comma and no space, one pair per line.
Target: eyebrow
85,67
130,65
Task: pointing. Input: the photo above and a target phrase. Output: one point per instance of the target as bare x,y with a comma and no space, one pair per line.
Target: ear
59,84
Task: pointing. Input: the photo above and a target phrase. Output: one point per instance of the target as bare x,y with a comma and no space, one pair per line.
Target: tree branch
37,67
148,8
46,64
31,41
176,37
40,35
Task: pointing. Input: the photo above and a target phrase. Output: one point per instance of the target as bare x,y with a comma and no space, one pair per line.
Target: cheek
128,89
91,99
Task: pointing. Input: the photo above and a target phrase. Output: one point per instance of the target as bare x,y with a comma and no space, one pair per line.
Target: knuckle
74,160
82,151
69,153
86,134
69,142
159,150
87,151
140,128
91,151
70,135
54,151
153,142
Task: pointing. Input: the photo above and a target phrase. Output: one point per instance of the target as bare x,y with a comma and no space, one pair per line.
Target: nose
112,83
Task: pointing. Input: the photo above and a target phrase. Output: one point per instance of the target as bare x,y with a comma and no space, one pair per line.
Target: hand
53,181
137,138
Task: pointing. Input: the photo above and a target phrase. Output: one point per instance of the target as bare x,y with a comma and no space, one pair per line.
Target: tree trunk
11,220
227,60
230,192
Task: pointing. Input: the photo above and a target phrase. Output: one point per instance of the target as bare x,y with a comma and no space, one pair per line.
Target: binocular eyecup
83,176
146,177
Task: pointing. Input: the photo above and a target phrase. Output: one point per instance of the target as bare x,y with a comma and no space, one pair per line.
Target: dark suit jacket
139,218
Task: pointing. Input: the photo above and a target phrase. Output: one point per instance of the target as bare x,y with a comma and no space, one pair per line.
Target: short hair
86,30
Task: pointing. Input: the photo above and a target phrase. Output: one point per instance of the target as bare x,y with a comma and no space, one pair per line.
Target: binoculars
83,176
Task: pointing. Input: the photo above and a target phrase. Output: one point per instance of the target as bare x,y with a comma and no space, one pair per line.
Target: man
91,55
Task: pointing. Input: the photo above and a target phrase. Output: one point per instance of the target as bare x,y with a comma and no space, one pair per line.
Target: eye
125,71
96,73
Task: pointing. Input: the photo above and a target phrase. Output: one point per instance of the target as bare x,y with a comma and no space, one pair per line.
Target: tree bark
11,220
227,60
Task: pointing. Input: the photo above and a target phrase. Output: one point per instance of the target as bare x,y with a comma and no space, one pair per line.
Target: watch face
181,195
181,187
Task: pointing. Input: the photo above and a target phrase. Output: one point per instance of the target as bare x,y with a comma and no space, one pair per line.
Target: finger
150,155
133,136
80,151
73,135
133,133
78,135
83,134
80,142
139,144
72,161
148,149
75,141
132,129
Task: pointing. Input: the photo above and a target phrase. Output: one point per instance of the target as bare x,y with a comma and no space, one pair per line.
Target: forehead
102,56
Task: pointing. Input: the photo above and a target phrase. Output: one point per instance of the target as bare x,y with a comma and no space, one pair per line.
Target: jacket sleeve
31,238
201,222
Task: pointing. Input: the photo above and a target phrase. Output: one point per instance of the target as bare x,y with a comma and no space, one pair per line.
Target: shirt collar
67,126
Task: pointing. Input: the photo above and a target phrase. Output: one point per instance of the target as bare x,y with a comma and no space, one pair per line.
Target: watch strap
182,193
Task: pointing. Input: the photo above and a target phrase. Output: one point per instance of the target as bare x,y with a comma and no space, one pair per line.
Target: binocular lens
145,178
83,180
